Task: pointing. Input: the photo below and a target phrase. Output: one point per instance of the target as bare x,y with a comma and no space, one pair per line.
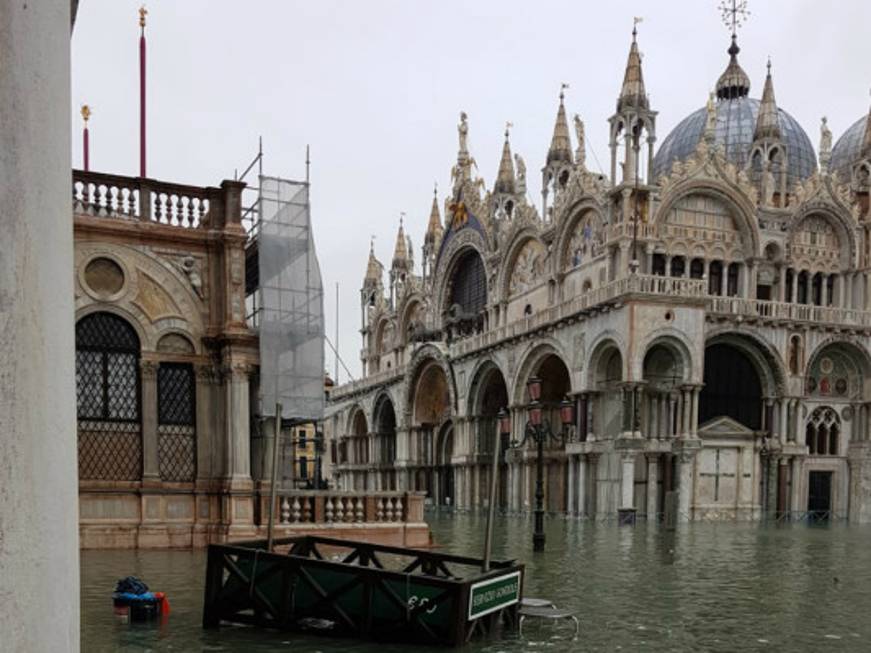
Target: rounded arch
465,285
424,356
740,371
839,369
743,211
177,341
572,233
515,248
531,361
431,403
842,227
677,343
600,358
357,424
488,390
464,243
145,333
667,363
410,314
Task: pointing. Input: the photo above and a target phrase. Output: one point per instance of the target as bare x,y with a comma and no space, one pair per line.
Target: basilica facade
704,306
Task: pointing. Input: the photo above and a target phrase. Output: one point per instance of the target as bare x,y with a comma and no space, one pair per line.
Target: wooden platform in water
358,589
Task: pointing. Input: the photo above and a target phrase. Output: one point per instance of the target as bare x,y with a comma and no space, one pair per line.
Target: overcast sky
376,88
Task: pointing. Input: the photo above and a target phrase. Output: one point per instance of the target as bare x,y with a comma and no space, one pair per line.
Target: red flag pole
86,113
142,13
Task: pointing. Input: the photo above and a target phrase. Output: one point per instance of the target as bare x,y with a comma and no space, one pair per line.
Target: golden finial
86,112
143,12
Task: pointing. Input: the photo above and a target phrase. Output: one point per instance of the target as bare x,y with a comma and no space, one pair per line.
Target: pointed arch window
822,432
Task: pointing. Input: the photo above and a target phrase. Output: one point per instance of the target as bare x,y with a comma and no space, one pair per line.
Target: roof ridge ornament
734,82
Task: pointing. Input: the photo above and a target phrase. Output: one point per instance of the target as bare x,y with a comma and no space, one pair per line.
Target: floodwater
706,587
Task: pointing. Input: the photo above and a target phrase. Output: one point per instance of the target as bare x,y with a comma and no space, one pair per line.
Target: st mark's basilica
708,324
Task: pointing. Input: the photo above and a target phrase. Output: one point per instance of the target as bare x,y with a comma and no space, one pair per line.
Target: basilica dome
736,121
848,149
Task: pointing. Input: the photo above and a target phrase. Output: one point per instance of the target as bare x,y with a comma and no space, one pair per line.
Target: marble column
148,394
627,481
652,486
685,486
237,423
208,449
781,291
39,530
570,492
794,289
581,486
783,425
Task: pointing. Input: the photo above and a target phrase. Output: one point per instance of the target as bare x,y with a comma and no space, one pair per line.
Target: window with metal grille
107,399
469,284
176,422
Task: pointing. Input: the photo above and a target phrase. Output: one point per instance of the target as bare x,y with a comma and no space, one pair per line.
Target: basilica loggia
698,318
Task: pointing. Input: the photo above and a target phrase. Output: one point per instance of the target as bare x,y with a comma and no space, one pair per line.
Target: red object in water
164,603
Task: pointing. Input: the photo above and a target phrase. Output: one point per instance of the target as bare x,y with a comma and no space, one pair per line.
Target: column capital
148,369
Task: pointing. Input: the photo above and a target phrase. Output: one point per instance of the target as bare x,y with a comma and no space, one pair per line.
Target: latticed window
176,422
469,285
107,399
822,432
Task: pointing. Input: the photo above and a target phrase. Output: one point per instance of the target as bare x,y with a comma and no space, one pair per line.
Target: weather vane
508,126
734,14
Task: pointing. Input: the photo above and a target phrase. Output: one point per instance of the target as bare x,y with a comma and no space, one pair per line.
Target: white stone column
581,486
627,481
652,485
794,289
781,291
570,491
237,433
685,486
148,401
39,530
207,448
824,290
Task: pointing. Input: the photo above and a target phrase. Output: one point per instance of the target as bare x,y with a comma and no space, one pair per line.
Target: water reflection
712,587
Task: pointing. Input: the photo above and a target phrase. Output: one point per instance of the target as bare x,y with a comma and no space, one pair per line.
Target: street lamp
539,429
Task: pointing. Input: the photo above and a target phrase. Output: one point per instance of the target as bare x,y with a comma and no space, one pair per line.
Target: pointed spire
633,94
734,82
505,178
767,123
434,229
373,267
560,144
400,252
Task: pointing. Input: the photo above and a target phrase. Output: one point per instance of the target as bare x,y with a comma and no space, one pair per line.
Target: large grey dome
736,121
848,149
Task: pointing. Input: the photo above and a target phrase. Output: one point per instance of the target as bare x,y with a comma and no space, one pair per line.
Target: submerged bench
544,609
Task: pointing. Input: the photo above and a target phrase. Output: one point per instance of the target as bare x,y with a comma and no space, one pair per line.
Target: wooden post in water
274,475
491,507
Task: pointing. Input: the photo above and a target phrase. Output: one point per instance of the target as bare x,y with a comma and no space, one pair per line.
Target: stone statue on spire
825,145
581,152
463,129
711,119
520,164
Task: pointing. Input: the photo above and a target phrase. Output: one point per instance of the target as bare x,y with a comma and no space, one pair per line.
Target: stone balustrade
334,508
619,289
147,200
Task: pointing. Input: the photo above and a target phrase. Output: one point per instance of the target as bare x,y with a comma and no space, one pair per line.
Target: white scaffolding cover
291,304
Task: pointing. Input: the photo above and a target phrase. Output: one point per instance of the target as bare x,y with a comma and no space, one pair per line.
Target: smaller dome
848,149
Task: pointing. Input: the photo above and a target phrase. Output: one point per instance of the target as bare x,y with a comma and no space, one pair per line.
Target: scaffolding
290,303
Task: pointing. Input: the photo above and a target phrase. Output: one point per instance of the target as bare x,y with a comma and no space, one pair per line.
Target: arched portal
385,442
431,404
664,372
108,399
607,378
555,386
733,387
444,490
489,394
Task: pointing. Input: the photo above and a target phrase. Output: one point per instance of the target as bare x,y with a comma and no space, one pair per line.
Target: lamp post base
538,541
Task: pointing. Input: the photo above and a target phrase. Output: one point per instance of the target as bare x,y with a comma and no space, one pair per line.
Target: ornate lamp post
539,429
